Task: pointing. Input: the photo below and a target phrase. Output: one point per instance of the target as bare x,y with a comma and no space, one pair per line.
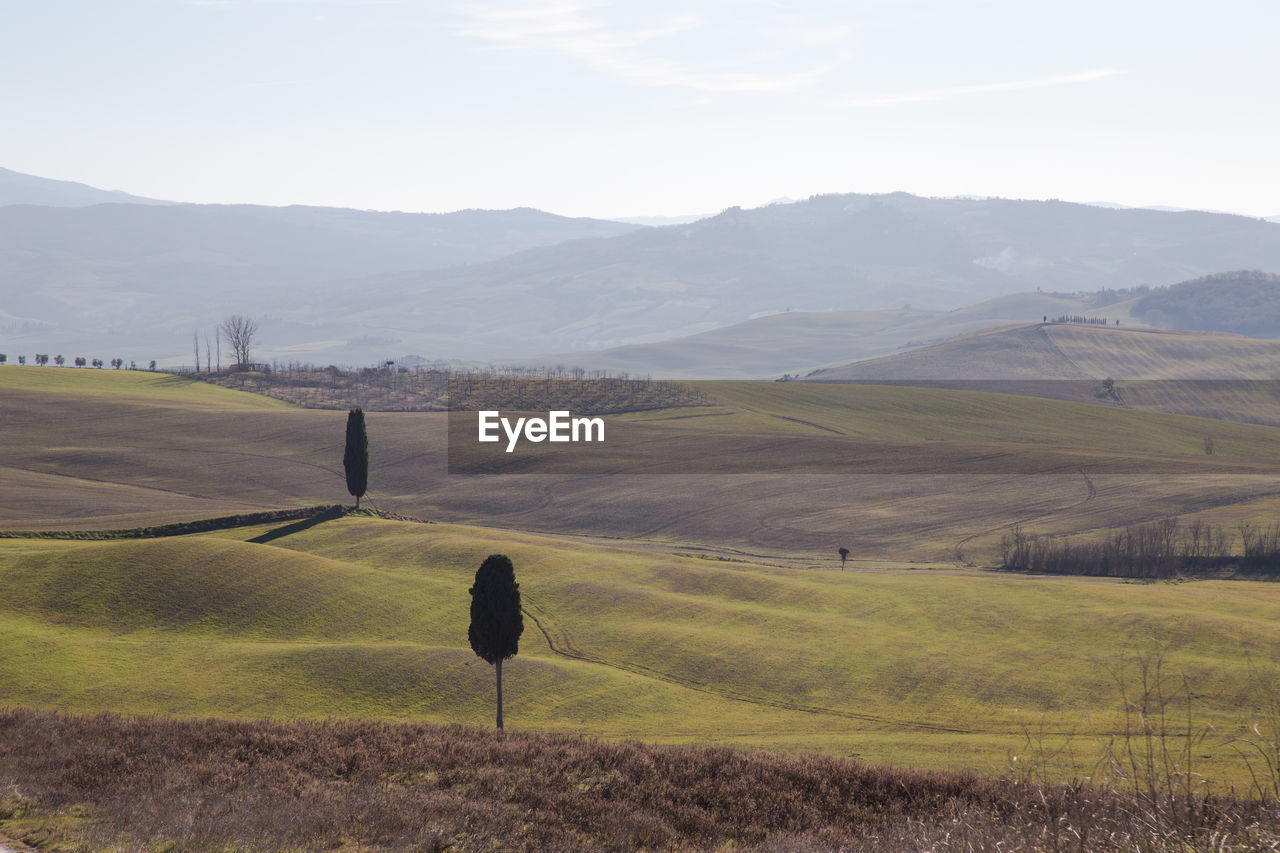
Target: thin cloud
982,89
581,30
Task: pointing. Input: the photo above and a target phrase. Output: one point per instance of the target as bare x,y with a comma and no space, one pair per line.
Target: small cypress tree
496,620
844,555
355,461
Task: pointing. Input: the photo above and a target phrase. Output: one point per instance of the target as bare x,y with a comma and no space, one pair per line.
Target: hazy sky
626,108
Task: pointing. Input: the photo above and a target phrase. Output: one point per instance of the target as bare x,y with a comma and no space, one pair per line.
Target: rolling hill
367,618
800,342
783,471
691,606
1245,302
1199,373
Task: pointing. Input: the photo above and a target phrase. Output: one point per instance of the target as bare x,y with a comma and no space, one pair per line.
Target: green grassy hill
367,618
674,607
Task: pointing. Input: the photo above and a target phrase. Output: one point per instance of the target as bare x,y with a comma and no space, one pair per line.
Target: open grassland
361,617
103,782
891,473
1076,351
1207,374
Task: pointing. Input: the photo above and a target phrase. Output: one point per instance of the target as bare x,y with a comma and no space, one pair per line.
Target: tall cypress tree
496,621
355,461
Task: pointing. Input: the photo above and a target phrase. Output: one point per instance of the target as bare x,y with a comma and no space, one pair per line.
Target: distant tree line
1080,318
42,359
1155,550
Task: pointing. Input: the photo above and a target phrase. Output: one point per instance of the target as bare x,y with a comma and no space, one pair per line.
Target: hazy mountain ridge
830,252
17,188
827,252
345,286
141,277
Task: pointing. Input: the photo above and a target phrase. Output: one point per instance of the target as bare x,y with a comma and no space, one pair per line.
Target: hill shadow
298,526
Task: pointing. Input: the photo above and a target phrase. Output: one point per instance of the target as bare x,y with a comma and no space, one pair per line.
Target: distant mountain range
82,272
828,253
353,287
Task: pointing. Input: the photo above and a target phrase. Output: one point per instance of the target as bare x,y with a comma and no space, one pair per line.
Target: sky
612,109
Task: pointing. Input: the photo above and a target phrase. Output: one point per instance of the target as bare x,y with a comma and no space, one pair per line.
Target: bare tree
240,332
195,342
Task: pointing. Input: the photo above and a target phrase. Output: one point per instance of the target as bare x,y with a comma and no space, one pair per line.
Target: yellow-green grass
150,387
135,456
364,617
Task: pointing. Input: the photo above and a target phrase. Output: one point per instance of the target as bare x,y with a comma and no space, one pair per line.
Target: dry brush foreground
109,782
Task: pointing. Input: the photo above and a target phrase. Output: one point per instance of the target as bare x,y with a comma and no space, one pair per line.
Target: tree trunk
498,666
357,501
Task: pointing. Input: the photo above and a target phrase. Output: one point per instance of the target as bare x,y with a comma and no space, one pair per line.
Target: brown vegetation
388,389
145,783
1158,549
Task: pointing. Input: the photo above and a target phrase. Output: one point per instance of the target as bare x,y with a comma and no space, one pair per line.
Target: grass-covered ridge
135,385
362,617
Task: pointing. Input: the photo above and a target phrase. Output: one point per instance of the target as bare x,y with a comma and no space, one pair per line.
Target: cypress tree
496,621
355,461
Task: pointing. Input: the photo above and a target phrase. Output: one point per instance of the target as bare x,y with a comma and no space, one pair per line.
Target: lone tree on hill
240,333
355,461
844,555
496,621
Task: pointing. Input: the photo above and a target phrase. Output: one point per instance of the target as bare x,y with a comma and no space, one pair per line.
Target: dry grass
1205,374
109,782
131,457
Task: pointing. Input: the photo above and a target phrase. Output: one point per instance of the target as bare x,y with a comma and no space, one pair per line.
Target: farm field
686,607
897,474
362,617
